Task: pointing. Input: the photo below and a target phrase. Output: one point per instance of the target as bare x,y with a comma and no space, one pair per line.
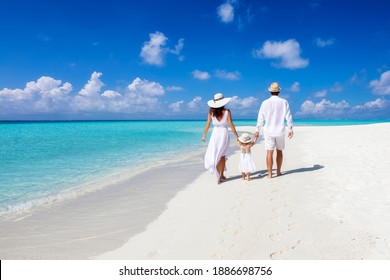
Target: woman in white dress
219,145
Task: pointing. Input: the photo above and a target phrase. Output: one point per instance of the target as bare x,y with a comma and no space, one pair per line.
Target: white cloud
324,43
12,95
195,103
288,52
141,87
379,103
48,86
44,95
295,87
200,75
326,109
154,51
381,86
323,108
49,96
226,12
245,103
141,96
174,88
179,46
93,86
88,99
111,94
222,74
177,106
321,93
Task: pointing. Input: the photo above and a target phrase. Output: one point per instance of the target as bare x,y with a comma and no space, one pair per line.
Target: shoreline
331,203
105,180
84,226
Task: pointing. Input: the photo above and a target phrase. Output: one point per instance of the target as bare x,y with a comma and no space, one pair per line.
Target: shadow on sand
255,175
304,169
263,173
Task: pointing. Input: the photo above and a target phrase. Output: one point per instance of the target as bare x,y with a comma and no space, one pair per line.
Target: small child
246,164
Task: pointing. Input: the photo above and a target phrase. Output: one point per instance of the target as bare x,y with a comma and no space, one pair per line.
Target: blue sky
156,59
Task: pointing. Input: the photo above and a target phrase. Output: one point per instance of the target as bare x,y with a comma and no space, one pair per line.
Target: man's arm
289,121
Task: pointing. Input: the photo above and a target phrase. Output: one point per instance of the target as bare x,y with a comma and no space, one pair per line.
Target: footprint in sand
276,255
279,254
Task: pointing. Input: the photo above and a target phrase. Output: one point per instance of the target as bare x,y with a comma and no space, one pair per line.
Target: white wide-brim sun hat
245,138
218,101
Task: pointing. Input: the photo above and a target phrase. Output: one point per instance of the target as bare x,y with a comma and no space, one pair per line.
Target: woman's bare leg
221,168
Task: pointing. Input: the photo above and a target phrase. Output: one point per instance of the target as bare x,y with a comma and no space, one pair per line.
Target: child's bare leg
243,175
248,176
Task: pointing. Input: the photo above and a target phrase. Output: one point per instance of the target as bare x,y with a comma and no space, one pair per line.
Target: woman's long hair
217,112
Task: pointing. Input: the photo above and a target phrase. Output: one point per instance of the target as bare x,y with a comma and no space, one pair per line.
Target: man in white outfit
272,114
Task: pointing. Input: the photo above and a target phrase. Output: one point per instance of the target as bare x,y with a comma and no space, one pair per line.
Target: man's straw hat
274,87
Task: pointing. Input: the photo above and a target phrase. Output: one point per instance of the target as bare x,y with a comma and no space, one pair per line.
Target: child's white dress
246,163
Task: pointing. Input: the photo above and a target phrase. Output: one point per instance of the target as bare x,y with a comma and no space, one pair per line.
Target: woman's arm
230,121
207,126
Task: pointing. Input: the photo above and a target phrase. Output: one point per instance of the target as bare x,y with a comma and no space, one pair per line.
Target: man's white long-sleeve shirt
273,111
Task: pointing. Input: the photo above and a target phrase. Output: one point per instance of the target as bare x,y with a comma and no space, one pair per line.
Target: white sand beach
332,202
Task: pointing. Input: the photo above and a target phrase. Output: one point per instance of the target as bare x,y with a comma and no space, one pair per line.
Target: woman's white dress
219,144
246,163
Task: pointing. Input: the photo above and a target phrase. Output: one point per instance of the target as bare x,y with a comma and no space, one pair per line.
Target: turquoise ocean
42,162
